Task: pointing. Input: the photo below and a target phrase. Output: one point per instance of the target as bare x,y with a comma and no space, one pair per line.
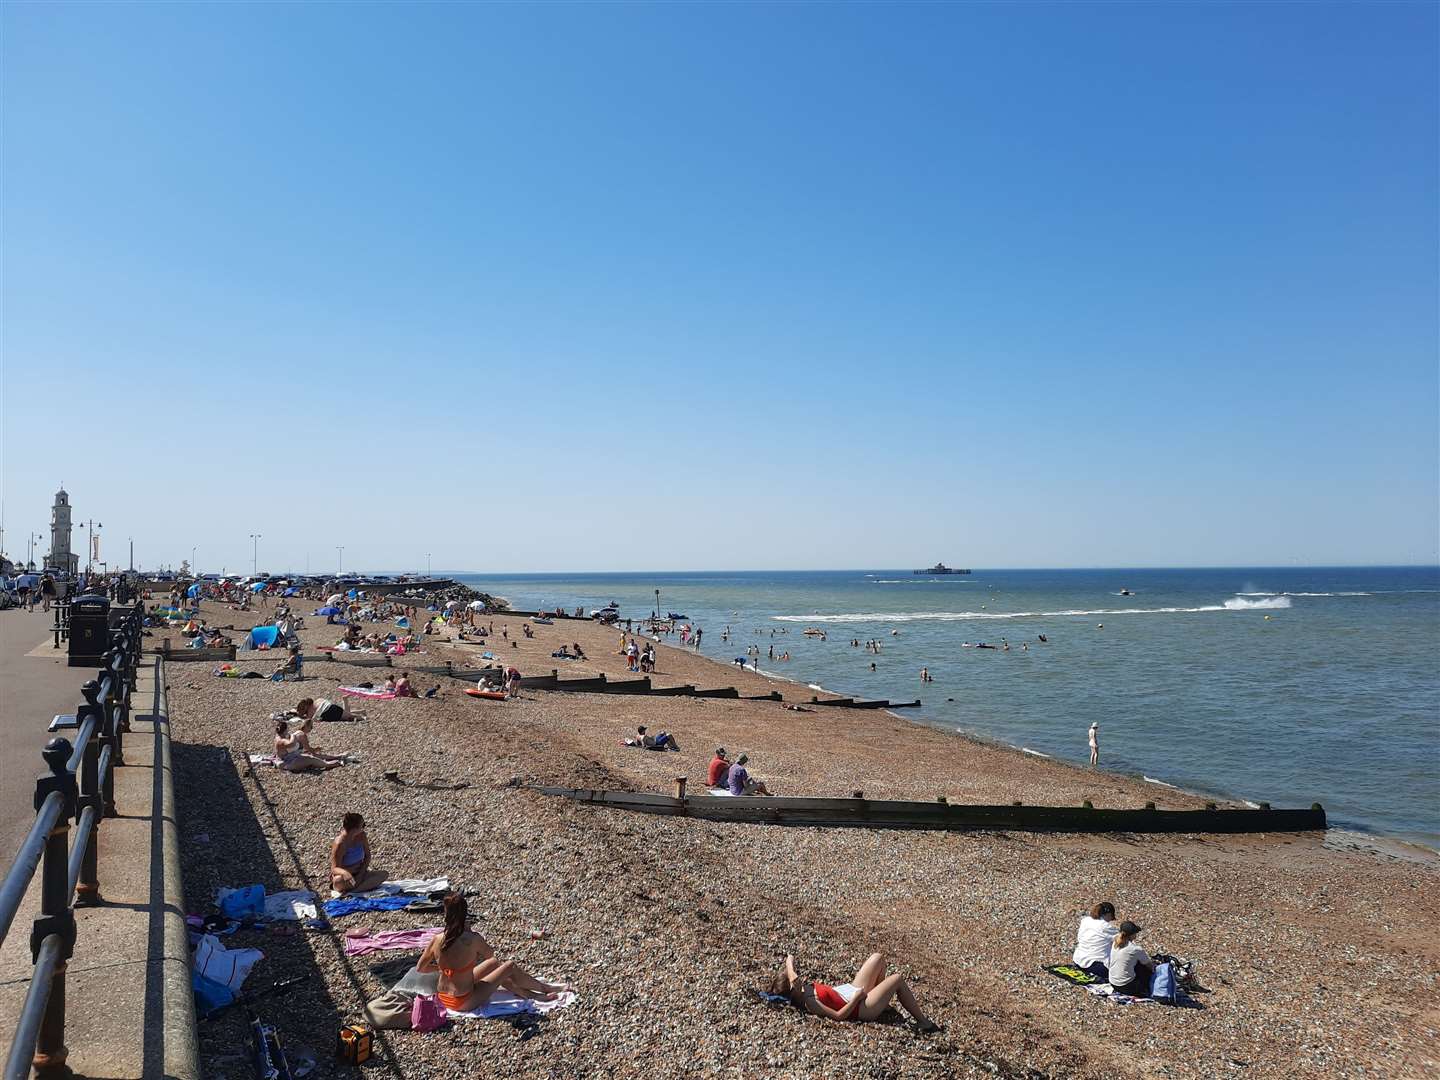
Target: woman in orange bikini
469,972
864,998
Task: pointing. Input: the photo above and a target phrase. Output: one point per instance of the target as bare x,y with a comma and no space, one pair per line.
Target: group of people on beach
1107,949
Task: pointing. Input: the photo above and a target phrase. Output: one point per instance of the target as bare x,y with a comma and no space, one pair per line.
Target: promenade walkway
130,1012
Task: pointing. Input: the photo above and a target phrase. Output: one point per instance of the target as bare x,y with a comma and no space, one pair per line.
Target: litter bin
89,630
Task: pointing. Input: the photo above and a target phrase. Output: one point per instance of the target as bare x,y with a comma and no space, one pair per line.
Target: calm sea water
1335,697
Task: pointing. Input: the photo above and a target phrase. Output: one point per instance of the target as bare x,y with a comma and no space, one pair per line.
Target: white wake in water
1238,603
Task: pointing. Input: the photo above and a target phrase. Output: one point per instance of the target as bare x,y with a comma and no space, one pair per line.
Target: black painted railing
76,793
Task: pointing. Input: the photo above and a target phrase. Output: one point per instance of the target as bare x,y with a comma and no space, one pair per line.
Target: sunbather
302,736
325,710
469,971
646,741
350,869
865,997
290,750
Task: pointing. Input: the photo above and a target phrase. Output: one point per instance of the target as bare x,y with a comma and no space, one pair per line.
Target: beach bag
391,1009
426,1013
237,903
1162,983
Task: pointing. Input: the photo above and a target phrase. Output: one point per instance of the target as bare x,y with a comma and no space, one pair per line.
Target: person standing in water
1095,743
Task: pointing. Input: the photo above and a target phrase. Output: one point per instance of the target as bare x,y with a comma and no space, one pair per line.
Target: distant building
61,556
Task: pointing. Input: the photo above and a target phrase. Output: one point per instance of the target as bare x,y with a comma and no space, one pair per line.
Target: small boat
673,616
493,695
543,620
811,631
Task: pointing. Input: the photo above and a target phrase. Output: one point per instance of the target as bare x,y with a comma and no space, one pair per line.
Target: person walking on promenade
1095,743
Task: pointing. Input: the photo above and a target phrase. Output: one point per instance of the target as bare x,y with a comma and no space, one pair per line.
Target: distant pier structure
61,555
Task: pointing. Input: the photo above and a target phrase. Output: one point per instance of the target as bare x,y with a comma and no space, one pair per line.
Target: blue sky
621,286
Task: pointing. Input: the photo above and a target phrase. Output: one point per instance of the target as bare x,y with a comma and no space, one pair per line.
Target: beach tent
291,591
263,637
259,586
353,594
328,610
334,598
193,591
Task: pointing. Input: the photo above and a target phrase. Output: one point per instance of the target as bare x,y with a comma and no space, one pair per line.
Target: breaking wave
1238,603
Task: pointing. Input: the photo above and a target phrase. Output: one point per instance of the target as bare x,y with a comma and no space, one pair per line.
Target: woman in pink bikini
866,997
469,972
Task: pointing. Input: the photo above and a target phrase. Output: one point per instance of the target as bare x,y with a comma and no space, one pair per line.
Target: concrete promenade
129,1011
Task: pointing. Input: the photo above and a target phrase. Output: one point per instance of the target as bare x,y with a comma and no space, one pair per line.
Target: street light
192,560
30,562
427,564
340,561
90,551
255,539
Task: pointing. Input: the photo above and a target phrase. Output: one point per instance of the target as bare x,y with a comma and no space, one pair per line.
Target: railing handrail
80,785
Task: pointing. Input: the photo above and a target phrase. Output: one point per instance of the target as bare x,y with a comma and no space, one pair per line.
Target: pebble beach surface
1319,958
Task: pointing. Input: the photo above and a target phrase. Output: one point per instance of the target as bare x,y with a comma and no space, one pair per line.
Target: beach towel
237,903
390,896
365,943
1072,974
360,691
501,1003
291,906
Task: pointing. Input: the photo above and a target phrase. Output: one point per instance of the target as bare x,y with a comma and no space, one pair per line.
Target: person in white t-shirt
1130,965
1095,744
1094,938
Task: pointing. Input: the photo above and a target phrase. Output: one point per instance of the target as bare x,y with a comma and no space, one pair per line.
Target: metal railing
79,788
61,607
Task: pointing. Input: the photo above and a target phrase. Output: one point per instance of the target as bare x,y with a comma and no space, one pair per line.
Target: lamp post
30,560
192,560
340,560
255,539
91,526
657,603
427,564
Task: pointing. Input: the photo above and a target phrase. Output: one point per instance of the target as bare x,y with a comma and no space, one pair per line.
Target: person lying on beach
325,710
662,741
1094,938
740,782
1130,965
350,869
290,751
469,970
864,998
718,774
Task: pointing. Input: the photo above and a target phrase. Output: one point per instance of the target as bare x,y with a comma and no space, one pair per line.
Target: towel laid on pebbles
390,896
364,942
501,1003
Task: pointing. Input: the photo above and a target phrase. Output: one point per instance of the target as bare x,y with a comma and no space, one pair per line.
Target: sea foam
1238,603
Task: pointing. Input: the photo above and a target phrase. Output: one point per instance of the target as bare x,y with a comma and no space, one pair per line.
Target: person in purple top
740,781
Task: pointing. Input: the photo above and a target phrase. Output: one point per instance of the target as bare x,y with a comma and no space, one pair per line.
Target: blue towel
345,905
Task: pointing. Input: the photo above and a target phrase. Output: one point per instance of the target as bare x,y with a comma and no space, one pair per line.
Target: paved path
32,690
130,1012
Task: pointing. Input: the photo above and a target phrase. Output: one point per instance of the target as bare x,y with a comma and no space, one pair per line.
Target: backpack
426,1013
1162,983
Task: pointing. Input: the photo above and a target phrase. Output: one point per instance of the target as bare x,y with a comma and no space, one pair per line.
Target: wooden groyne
947,816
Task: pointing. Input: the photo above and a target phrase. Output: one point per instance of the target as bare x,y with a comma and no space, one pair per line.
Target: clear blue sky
706,286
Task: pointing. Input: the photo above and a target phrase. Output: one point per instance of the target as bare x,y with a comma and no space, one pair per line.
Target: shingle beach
1319,956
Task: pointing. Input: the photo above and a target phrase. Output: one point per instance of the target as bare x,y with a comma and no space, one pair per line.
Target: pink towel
389,940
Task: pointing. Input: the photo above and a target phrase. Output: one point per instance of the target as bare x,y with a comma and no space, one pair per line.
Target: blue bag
209,994
237,903
1162,983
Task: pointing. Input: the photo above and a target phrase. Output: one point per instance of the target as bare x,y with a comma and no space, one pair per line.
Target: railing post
87,890
55,917
104,736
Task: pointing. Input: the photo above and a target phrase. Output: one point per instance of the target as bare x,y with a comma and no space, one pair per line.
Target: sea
1286,685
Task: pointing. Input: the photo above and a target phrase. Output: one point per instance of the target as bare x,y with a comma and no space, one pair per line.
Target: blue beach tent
263,637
